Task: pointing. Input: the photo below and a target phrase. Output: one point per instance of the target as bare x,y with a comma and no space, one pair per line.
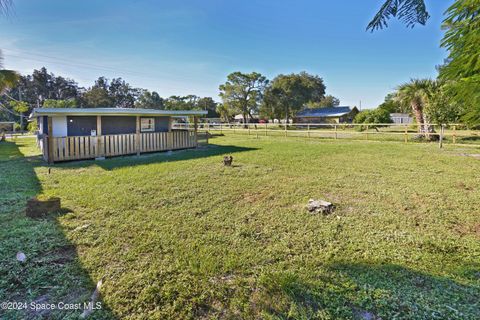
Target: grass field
180,236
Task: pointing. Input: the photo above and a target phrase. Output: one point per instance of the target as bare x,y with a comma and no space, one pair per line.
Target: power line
69,62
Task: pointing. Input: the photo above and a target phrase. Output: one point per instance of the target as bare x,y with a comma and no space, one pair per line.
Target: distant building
401,118
326,115
239,118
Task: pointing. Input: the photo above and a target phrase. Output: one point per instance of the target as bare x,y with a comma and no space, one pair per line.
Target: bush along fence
452,133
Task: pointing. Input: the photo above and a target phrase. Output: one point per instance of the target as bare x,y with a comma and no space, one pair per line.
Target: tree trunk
286,115
418,112
428,129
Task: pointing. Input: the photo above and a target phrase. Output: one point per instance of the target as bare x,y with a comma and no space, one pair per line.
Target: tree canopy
243,92
290,93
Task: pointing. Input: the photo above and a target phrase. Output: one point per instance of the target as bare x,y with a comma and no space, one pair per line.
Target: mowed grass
181,237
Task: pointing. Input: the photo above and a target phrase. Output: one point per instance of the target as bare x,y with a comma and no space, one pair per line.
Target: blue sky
189,47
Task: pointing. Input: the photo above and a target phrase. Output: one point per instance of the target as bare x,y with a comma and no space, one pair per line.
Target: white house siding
59,126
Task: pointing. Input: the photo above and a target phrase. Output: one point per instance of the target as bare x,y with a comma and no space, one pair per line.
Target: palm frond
410,12
5,6
8,79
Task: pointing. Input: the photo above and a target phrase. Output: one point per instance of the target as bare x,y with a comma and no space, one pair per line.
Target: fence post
454,136
137,135
406,134
221,128
100,148
285,128
256,131
366,133
440,141
195,130
248,124
50,141
335,132
266,129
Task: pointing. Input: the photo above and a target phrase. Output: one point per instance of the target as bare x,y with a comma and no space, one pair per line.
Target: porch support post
100,146
50,141
195,129
137,135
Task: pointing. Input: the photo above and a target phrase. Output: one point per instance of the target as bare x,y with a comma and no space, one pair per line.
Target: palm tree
8,78
409,12
5,6
416,93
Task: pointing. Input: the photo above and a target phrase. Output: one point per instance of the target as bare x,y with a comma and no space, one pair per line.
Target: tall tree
122,94
326,102
209,105
415,94
52,103
149,100
98,95
182,102
243,93
288,94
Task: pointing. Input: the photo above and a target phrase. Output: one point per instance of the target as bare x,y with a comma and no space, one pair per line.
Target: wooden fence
88,147
452,133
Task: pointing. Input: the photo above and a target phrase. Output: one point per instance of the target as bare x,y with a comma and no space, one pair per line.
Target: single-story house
401,118
95,133
326,115
255,118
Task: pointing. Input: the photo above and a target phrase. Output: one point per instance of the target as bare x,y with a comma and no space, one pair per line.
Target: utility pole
360,105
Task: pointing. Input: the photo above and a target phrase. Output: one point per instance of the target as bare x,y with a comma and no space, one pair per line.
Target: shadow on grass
52,272
210,150
366,291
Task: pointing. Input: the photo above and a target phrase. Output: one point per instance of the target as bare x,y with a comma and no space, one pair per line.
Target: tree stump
320,206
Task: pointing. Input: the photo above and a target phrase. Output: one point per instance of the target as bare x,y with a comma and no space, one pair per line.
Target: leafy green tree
288,94
392,105
97,96
378,115
224,112
149,100
462,70
52,103
209,105
243,93
122,94
42,85
326,102
182,102
20,107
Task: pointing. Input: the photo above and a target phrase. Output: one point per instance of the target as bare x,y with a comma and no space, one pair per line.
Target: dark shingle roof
325,112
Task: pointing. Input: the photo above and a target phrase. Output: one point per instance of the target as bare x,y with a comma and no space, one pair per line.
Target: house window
147,124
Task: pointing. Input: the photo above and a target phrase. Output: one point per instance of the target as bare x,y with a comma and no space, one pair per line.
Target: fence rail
452,133
88,147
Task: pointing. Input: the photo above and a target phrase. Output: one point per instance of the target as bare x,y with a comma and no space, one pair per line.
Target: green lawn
180,236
